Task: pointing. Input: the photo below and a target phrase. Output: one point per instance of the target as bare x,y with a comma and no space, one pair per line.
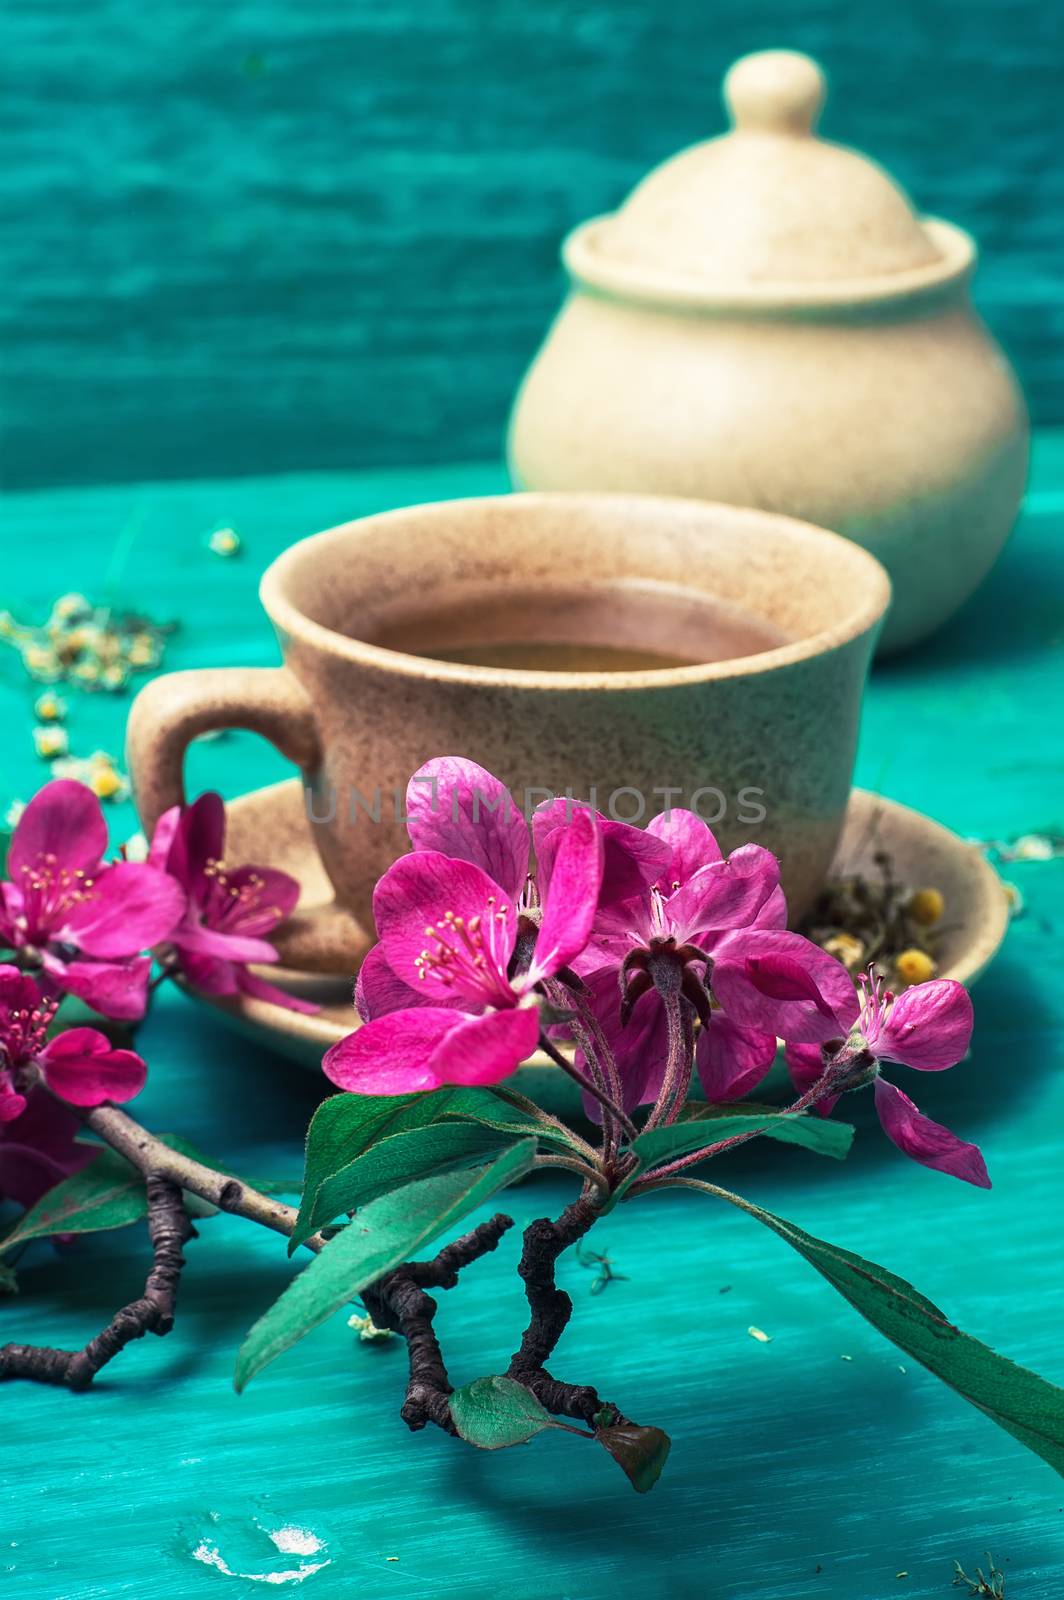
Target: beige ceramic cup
772,732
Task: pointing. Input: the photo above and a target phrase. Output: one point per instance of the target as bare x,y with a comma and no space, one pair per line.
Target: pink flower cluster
79,925
644,930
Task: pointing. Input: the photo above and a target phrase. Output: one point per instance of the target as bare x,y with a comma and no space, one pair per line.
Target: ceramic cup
771,733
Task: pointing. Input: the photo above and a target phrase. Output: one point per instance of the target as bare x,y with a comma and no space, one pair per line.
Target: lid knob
774,91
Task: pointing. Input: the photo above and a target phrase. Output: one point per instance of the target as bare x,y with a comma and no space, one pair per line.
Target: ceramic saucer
269,828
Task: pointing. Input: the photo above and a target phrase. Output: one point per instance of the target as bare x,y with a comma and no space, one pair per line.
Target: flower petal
129,908
781,983
732,1060
488,1048
117,989
727,894
250,983
267,897
632,859
572,897
63,820
18,992
925,1141
12,1104
163,837
391,1055
690,841
81,1066
197,839
458,808
38,1149
411,901
379,989
192,938
928,1026
773,913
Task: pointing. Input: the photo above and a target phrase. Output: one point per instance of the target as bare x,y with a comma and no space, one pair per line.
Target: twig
586,1084
170,1230
152,1157
399,1302
550,1309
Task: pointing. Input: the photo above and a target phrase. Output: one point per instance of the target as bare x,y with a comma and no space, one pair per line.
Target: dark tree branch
169,1229
550,1309
398,1301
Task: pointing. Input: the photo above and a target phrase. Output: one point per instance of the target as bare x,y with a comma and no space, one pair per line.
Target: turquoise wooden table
821,1464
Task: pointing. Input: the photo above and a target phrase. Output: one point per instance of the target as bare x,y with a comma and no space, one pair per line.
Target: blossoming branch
634,959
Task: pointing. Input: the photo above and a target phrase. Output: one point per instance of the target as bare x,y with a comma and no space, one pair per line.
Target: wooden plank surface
268,236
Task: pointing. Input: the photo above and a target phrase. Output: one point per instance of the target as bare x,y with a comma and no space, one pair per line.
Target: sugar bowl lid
768,211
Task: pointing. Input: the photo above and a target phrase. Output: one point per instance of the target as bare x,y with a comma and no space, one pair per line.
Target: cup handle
171,711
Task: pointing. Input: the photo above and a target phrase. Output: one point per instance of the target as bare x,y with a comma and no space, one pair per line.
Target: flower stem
596,1093
680,1057
693,1157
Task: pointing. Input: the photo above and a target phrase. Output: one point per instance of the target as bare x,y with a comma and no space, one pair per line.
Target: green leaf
482,1105
6,836
108,1193
681,1138
1018,1400
390,1163
347,1124
494,1413
389,1231
639,1452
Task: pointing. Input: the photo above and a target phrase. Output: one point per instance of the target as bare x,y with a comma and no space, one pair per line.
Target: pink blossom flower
460,810
476,953
79,1065
782,983
694,905
38,1148
228,910
81,921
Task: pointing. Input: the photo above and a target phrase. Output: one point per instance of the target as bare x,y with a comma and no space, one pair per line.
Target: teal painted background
264,235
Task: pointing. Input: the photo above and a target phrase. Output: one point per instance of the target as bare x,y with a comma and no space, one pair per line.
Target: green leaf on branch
389,1231
345,1125
639,1452
108,1193
494,1413
1018,1400
484,1106
695,1132
391,1163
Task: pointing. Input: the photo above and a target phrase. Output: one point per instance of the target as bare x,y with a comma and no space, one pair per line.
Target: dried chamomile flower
98,772
91,646
48,707
368,1330
224,542
50,742
848,949
926,907
914,966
